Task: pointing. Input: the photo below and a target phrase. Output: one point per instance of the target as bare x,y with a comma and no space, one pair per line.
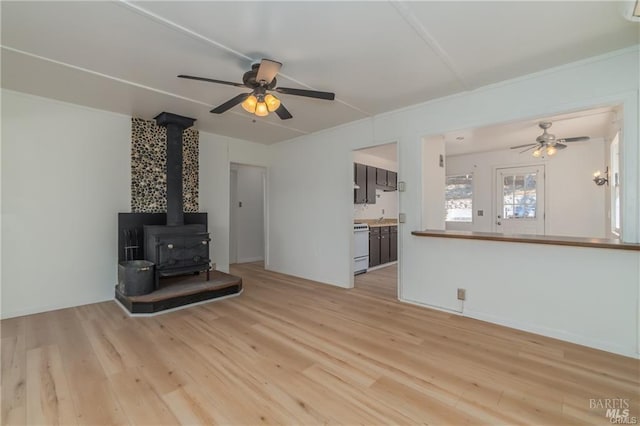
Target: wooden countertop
373,223
532,239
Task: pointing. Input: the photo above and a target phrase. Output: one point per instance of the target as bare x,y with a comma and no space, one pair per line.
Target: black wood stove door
182,251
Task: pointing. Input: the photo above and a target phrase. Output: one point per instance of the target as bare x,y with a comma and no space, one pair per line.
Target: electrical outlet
462,294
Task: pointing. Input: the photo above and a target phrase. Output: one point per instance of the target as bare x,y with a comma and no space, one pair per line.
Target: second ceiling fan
547,143
261,79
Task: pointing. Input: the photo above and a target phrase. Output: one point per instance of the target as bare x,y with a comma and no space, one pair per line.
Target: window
519,192
614,181
459,198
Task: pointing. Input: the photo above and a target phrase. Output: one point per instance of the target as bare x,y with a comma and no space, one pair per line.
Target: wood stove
177,243
176,248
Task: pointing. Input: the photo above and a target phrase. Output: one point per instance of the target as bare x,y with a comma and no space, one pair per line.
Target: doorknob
498,223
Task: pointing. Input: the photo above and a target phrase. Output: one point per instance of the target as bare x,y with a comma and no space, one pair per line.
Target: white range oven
361,248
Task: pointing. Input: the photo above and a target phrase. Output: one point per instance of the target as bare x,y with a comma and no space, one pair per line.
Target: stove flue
176,248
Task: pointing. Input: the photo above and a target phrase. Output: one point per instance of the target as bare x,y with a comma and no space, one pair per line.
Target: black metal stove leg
208,274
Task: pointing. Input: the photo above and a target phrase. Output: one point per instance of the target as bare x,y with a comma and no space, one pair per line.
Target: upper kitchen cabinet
364,177
386,180
367,179
371,185
360,181
392,181
381,177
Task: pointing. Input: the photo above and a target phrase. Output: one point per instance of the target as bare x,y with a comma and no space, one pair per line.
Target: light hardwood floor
290,351
382,282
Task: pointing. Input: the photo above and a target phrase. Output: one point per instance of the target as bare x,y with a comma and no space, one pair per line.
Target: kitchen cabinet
384,244
374,247
392,181
381,177
393,243
386,180
368,178
360,179
365,177
371,185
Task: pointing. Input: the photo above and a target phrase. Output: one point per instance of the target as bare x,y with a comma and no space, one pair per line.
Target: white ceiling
376,56
595,123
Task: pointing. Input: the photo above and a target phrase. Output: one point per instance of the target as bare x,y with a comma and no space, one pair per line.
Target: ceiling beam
407,14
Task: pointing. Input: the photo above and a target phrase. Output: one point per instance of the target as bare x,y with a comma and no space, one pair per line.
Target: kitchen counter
532,239
373,223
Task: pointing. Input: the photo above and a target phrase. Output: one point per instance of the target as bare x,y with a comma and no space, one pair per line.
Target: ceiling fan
261,79
548,143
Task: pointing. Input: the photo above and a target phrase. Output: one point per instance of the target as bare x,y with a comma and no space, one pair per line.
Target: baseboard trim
250,259
554,334
55,307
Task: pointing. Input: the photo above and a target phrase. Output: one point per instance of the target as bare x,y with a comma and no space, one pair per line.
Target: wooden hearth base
180,291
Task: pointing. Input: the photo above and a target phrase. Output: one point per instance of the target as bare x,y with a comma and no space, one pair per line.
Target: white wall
574,205
65,176
320,164
248,219
386,202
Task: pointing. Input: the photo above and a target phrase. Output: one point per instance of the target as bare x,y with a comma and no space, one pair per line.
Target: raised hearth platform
180,291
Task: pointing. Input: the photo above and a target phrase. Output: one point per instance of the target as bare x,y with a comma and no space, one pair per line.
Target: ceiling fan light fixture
537,153
261,109
250,104
551,150
272,102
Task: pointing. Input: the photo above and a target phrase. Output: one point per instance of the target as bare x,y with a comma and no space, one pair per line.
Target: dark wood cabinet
384,244
371,185
368,178
374,247
381,177
386,180
392,181
393,243
360,179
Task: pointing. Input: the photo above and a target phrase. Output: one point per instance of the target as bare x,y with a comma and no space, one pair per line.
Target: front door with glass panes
520,200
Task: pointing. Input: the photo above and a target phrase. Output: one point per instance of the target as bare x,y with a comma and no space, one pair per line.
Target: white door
520,200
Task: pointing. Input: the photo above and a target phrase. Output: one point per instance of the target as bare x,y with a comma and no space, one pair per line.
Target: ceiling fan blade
308,93
268,70
528,149
522,146
283,113
210,80
576,139
230,103
560,145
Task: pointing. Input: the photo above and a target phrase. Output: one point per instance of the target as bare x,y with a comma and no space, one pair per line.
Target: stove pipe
175,125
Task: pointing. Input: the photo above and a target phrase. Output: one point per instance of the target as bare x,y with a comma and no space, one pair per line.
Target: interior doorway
375,220
247,214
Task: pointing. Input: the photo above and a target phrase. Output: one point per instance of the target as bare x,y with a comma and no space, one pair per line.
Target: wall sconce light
601,179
